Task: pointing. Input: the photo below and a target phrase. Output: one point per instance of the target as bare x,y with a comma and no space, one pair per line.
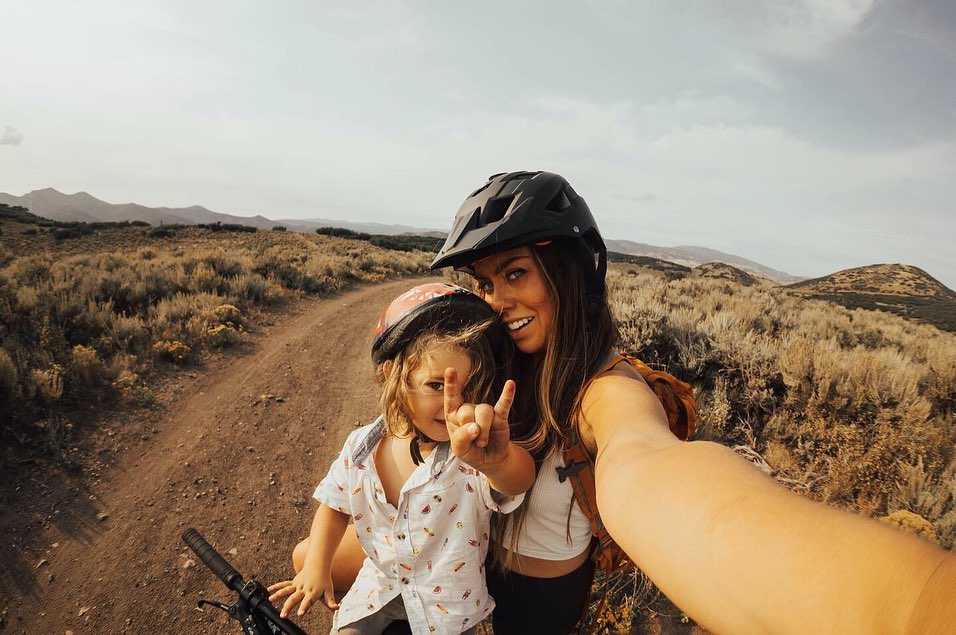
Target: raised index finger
503,405
452,394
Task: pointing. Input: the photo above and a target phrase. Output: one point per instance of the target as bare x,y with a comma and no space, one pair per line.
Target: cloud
800,28
10,136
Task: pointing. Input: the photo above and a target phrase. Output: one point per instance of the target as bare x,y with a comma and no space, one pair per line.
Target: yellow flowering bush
221,336
172,350
913,523
228,314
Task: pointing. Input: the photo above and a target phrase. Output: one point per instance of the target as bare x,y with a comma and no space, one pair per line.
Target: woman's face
514,285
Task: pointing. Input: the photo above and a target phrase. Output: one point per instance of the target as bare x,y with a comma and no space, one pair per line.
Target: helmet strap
595,290
415,446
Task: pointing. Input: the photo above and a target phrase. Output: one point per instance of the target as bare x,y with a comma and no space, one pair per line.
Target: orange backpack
681,408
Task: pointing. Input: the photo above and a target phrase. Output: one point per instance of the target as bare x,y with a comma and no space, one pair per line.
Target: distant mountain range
691,256
55,205
82,207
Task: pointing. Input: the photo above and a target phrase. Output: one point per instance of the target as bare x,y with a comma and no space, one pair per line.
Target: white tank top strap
548,533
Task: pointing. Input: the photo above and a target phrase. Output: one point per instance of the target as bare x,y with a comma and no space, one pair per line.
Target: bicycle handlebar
251,595
211,558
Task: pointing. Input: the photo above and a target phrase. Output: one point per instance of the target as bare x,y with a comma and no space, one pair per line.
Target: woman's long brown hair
573,354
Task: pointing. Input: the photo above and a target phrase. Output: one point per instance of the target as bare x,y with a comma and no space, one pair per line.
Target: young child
419,489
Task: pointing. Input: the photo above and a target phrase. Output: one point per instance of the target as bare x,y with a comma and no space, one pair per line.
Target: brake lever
230,609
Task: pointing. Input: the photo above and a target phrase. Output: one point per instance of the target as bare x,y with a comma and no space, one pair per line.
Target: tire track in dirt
236,454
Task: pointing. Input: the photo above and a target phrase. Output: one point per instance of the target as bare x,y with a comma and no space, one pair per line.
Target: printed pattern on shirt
430,549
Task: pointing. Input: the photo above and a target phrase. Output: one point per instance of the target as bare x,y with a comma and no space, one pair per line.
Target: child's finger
272,588
330,599
462,438
280,591
484,417
452,396
290,603
507,398
306,603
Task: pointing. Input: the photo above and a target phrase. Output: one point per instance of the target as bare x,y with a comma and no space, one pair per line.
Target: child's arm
314,581
485,442
514,475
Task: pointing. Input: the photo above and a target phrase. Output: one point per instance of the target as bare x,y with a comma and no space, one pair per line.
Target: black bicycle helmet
524,208
428,306
516,209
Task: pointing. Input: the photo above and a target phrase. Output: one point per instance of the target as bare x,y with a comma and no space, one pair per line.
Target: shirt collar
438,457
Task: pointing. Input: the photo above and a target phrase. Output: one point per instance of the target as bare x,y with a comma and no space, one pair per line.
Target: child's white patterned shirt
431,549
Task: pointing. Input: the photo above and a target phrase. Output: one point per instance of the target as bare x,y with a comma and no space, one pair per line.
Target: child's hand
305,589
479,434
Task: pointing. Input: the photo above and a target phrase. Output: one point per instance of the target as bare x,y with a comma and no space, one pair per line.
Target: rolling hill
723,271
901,289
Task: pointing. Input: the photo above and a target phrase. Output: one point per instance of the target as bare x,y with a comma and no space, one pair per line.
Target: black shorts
549,606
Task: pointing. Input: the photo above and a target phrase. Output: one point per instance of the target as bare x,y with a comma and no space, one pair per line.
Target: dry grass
851,407
87,319
842,403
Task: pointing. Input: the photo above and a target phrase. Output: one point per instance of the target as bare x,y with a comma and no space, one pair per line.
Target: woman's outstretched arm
739,552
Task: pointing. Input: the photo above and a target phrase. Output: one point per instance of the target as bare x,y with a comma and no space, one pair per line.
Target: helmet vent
496,208
480,189
559,202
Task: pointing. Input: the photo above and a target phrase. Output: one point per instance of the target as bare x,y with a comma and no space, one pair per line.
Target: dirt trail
234,451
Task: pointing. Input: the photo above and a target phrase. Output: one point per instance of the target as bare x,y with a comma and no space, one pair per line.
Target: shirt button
404,580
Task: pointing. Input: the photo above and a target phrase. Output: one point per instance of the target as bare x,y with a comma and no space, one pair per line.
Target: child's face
426,395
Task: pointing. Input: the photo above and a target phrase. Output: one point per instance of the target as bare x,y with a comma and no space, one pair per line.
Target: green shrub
342,232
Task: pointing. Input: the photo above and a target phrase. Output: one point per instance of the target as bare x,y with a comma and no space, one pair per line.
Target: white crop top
546,533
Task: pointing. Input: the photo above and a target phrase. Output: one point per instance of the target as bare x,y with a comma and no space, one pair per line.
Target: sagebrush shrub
86,370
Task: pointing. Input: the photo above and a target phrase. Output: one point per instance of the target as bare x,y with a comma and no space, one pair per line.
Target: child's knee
298,555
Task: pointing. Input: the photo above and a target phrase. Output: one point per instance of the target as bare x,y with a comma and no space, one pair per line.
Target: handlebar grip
211,558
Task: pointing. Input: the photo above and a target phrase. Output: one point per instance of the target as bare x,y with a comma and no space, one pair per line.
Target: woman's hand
305,589
479,434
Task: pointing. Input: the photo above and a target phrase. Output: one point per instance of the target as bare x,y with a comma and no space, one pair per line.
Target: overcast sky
808,135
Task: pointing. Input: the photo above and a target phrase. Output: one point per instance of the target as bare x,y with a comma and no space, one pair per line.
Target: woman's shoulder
618,366
616,396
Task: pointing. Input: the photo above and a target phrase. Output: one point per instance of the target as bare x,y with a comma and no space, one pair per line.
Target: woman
729,546
733,549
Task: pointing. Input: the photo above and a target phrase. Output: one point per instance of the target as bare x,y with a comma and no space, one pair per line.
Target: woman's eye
514,274
485,286
437,386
